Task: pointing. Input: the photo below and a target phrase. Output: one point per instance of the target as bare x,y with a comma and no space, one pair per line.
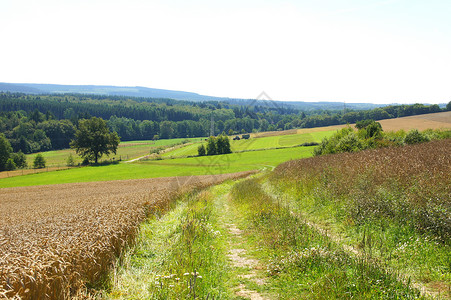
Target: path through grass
234,241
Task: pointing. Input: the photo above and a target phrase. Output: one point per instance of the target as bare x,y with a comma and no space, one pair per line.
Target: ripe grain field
58,239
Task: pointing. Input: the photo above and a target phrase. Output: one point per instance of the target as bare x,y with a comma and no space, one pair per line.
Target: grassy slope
126,150
219,164
259,143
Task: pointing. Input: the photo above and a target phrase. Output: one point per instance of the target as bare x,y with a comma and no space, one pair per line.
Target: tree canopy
5,151
93,139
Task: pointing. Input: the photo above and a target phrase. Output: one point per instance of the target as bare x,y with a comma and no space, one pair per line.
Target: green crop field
218,164
271,142
126,150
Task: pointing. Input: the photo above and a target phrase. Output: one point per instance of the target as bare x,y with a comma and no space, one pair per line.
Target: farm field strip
55,239
218,164
126,150
260,143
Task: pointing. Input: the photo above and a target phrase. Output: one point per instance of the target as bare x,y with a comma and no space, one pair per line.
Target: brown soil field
55,239
440,120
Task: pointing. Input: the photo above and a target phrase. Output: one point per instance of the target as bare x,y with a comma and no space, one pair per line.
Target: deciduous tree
93,139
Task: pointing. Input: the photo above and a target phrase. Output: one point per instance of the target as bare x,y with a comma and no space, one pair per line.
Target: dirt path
247,268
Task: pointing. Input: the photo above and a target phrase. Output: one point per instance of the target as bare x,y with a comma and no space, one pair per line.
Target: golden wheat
54,239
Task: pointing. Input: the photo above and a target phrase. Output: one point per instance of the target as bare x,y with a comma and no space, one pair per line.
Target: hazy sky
318,50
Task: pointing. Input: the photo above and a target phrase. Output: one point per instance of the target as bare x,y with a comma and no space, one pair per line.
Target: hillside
145,92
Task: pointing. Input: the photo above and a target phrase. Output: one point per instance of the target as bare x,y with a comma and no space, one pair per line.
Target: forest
34,123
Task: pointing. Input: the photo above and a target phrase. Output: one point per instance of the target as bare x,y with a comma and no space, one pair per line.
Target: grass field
126,150
219,164
270,142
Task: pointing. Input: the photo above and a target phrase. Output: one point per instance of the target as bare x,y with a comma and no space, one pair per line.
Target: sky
375,51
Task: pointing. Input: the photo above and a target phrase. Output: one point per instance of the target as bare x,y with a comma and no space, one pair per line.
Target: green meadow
125,151
271,142
206,165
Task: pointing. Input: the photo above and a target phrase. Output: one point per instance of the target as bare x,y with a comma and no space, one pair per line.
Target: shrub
39,162
211,146
415,137
349,143
20,159
10,165
70,161
201,150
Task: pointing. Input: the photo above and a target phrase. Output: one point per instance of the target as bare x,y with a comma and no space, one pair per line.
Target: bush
330,145
20,160
219,145
10,165
211,146
70,161
201,150
39,162
415,137
349,143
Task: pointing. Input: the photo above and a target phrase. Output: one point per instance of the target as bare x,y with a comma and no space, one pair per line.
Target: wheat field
55,239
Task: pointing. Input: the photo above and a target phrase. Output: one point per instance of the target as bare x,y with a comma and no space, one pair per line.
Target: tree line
34,123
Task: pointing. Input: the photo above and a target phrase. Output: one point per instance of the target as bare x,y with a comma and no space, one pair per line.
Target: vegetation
5,151
370,136
365,225
217,164
39,162
260,143
215,145
10,165
201,151
304,263
93,139
20,160
183,252
391,203
78,231
34,123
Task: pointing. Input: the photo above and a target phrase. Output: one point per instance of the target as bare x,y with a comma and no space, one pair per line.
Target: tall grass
305,264
393,203
178,256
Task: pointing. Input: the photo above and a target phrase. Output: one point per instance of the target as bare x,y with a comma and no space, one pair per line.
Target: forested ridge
35,123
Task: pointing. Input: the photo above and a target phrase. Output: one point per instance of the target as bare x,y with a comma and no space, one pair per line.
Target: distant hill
144,92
